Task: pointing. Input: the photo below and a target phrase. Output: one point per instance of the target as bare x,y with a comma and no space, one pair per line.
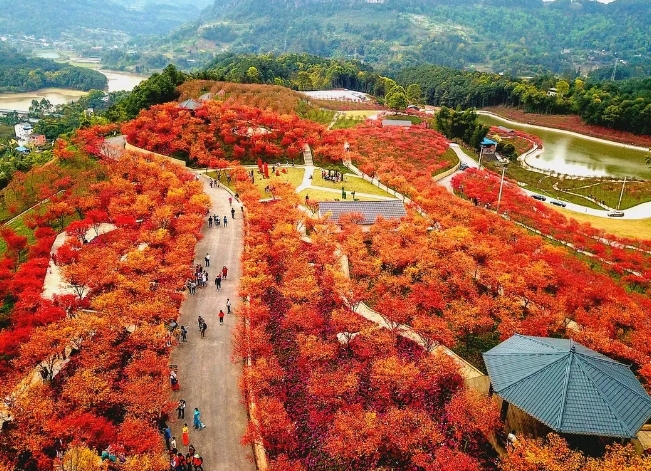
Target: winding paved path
208,377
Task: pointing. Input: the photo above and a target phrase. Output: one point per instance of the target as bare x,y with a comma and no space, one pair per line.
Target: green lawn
348,122
450,157
350,183
320,116
19,226
538,182
294,177
609,191
404,117
320,195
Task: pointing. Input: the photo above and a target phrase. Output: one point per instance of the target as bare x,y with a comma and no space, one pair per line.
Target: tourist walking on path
197,419
180,409
225,221
218,281
232,213
224,272
228,306
174,382
230,201
207,259
202,329
209,221
186,435
167,433
214,377
184,334
221,316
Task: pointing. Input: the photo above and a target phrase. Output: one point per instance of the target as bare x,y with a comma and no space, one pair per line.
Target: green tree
397,100
253,75
414,94
562,88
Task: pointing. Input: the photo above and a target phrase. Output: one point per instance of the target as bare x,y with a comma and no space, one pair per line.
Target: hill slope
520,37
51,19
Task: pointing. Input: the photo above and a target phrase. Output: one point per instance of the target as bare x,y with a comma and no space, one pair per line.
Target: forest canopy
21,74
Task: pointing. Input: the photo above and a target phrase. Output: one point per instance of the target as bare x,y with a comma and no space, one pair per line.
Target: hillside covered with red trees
331,390
114,386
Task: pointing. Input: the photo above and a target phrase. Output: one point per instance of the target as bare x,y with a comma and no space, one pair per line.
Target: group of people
200,277
214,219
191,460
332,175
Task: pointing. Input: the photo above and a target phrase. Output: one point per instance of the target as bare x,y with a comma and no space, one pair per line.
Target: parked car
558,203
539,197
463,166
616,214
413,107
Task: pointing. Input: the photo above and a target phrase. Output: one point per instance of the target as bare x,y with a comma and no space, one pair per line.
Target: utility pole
499,197
621,194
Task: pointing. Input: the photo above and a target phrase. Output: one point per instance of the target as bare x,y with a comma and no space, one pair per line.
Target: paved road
447,181
641,211
208,377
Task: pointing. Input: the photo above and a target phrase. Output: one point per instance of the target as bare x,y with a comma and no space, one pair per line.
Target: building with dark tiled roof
369,210
568,387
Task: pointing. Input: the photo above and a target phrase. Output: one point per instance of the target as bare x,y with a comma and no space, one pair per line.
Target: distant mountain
522,37
51,18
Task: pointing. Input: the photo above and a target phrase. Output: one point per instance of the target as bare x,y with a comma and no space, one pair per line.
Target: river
117,81
573,154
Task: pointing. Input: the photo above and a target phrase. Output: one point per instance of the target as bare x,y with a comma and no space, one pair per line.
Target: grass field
21,229
630,228
359,113
350,183
609,191
319,195
539,182
294,177
348,122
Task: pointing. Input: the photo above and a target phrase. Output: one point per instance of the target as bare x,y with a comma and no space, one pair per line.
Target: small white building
23,130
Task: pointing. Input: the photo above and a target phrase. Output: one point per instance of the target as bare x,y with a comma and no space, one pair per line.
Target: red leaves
227,131
117,384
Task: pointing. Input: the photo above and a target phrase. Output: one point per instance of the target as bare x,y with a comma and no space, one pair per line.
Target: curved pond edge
571,133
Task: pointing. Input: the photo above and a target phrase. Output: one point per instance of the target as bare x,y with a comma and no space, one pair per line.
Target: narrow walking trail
207,376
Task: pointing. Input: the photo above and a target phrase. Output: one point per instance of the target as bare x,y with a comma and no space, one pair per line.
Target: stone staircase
307,156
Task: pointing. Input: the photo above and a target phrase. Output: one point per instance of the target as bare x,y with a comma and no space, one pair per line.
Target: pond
572,154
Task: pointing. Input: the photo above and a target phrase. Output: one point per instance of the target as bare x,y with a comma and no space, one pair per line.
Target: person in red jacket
224,272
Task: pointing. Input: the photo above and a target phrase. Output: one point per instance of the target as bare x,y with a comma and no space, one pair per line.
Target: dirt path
208,377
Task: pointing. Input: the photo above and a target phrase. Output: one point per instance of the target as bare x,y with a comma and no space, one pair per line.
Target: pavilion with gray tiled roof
568,387
189,104
370,210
